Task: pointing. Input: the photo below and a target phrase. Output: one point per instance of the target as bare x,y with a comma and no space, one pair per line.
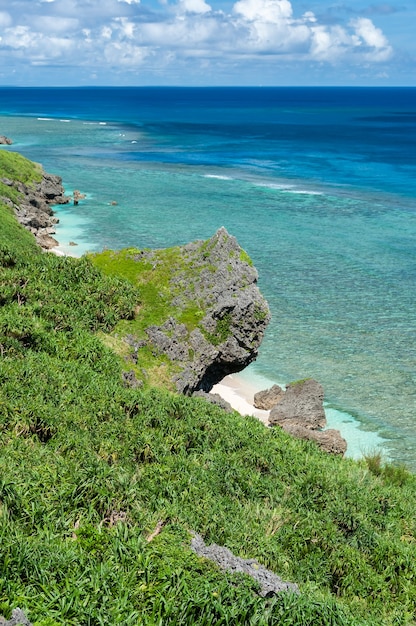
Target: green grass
89,467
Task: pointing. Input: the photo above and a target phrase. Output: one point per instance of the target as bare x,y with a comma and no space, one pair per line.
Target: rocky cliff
208,314
33,206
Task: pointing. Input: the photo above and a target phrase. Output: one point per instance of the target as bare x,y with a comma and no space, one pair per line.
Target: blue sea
317,184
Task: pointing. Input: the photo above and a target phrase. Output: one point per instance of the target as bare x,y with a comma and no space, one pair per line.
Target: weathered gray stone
267,399
302,404
218,276
329,440
18,618
5,140
270,583
33,209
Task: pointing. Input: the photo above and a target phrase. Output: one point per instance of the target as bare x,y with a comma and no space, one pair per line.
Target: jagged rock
77,196
270,583
329,440
46,241
18,618
268,398
5,141
130,380
214,398
300,413
33,209
301,404
218,275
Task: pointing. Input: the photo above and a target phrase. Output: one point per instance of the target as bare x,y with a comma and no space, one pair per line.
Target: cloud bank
128,36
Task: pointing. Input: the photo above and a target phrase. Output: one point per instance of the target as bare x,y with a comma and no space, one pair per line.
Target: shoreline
239,389
240,395
236,389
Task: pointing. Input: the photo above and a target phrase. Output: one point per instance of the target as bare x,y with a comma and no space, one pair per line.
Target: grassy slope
88,468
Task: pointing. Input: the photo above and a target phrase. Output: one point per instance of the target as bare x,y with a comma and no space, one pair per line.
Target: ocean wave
45,119
218,176
306,192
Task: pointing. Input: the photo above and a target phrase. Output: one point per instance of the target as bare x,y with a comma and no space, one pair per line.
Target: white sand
241,396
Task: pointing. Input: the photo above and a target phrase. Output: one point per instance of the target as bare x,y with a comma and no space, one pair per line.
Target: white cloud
264,10
193,6
5,19
120,54
127,33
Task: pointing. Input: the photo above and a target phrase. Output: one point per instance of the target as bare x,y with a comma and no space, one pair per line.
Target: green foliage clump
222,330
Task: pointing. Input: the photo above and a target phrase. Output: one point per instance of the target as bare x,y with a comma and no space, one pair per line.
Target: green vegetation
90,468
222,331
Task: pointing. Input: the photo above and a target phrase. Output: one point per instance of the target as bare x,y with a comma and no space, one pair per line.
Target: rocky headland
219,279
33,206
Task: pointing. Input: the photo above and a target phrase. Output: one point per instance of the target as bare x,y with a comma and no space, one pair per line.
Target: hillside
103,484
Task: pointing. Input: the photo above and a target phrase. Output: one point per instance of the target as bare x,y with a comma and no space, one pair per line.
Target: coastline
239,389
240,394
236,389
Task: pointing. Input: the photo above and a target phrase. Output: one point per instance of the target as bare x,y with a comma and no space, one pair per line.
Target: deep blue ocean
317,184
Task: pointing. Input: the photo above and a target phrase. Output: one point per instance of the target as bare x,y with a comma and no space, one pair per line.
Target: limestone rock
329,440
267,399
302,404
217,275
270,583
5,141
33,209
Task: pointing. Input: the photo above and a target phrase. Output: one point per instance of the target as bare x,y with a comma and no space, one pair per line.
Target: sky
207,42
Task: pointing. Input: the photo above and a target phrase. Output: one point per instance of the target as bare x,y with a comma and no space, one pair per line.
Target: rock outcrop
5,141
300,412
267,399
219,279
33,208
270,583
302,404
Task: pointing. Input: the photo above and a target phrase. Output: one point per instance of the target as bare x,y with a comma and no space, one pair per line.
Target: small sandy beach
240,395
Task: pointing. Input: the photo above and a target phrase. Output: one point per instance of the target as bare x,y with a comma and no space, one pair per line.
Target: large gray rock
300,413
270,583
217,275
267,399
302,404
5,141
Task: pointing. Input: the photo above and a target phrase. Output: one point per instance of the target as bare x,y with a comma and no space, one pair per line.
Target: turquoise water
318,186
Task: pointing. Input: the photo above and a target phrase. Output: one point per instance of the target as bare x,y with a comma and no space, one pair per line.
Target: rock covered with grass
219,278
18,618
30,192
